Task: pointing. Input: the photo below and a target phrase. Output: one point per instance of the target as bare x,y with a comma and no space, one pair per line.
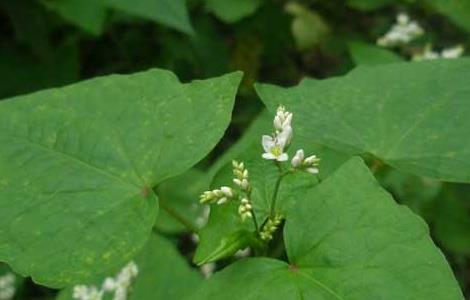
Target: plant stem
255,222
178,217
272,210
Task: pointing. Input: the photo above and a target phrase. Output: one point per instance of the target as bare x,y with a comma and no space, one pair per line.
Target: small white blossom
274,146
282,119
82,292
118,285
270,228
447,53
308,164
219,196
245,210
207,269
241,176
402,32
453,52
7,286
243,253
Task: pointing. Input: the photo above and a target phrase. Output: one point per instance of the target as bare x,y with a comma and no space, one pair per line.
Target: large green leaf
231,11
412,116
161,271
347,240
77,166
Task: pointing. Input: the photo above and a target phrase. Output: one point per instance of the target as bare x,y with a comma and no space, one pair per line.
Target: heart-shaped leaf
78,164
347,239
394,112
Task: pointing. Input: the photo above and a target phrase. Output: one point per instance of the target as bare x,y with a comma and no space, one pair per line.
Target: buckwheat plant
118,286
275,148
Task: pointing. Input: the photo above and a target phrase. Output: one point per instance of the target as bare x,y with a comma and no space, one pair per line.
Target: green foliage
231,11
458,11
78,164
161,271
91,15
393,112
346,239
366,54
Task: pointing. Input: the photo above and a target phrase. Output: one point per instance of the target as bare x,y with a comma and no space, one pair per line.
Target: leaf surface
395,112
77,167
346,240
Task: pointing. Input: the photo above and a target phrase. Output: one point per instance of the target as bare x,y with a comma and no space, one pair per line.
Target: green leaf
347,240
366,54
173,198
77,167
89,15
232,11
217,237
172,13
394,112
161,271
308,27
457,10
452,220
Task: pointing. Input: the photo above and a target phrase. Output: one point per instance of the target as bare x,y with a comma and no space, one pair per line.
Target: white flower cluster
448,53
225,193
309,164
402,32
270,227
219,196
275,145
118,285
7,286
245,210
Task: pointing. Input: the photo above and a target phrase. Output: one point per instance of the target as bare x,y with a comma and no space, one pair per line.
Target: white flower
298,158
453,52
7,286
241,176
402,32
274,148
119,285
245,209
109,284
82,292
308,164
282,119
448,53
207,269
219,196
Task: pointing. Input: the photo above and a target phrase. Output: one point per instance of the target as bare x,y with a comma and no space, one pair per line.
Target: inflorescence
118,285
275,148
7,286
405,31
